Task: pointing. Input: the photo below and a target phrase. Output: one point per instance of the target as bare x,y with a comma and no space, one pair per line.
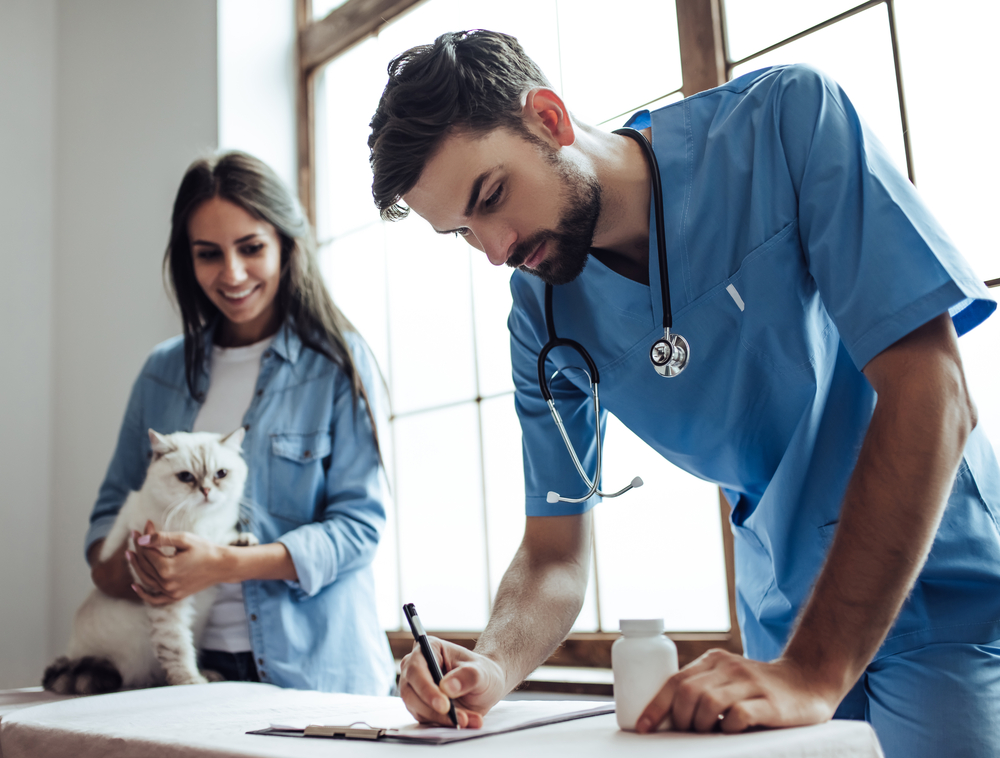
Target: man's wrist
829,676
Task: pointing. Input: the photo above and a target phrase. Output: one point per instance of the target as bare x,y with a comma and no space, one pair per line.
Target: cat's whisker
173,510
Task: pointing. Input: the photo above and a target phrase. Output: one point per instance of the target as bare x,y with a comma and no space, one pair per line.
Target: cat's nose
204,491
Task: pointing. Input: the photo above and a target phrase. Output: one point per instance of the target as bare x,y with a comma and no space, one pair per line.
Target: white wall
103,104
27,87
135,103
257,82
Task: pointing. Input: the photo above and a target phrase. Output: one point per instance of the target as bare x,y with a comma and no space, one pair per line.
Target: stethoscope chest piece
670,354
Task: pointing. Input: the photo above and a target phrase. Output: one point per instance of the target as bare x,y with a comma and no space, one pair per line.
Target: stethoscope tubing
661,240
555,341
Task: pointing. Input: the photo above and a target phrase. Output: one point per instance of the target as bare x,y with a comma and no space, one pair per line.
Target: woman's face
237,262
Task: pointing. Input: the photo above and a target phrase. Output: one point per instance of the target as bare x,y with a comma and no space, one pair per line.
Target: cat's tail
89,675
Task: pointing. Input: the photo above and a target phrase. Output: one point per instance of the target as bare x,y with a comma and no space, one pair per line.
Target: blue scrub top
777,196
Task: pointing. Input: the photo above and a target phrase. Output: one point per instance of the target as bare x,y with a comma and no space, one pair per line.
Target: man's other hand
724,691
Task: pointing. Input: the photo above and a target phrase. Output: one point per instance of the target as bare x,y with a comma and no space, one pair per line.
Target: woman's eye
494,198
253,249
186,477
207,255
221,473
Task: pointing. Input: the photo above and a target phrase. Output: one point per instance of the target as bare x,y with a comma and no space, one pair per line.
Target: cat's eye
221,473
186,477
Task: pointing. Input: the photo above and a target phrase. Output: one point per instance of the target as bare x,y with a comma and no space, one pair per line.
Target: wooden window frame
703,65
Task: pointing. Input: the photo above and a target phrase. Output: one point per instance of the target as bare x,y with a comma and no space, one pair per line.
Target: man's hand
732,693
476,683
173,565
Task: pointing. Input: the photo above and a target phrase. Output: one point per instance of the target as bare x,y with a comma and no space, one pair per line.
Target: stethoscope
669,354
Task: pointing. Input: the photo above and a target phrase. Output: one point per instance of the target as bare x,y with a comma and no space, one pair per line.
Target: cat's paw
89,675
245,539
187,679
212,676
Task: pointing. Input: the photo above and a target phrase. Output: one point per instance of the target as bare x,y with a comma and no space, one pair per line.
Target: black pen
425,647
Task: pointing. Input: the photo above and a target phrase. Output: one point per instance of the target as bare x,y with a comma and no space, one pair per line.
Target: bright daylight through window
434,311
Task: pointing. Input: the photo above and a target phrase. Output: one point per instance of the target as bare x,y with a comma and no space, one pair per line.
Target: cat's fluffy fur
121,644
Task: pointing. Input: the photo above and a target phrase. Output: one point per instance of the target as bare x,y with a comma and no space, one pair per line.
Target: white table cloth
211,720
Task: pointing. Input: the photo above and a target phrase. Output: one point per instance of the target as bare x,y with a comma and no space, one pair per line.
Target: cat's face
195,471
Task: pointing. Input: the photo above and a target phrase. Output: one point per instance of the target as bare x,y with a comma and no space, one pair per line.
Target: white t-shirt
230,392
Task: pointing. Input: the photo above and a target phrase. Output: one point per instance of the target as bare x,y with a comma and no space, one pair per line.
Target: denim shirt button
260,661
253,616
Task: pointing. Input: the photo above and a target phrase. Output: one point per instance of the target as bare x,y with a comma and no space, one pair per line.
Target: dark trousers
234,667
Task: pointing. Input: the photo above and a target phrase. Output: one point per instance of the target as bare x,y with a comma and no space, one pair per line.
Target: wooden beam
736,643
347,25
703,45
588,650
305,127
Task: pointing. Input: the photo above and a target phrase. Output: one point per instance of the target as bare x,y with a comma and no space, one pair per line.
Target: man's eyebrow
477,186
474,195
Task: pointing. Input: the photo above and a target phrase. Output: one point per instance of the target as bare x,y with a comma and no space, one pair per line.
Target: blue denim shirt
315,485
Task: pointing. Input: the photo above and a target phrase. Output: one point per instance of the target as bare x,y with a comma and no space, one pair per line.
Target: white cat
194,484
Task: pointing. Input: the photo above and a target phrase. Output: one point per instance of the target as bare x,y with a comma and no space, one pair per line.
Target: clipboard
506,716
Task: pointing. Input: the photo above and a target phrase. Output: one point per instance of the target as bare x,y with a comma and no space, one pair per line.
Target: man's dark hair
470,81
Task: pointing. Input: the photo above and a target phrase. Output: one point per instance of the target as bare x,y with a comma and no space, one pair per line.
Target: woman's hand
112,577
174,565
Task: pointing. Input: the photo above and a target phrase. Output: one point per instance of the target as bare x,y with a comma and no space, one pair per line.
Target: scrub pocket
297,472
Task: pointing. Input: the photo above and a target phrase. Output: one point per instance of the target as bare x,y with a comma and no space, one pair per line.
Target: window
434,312
867,48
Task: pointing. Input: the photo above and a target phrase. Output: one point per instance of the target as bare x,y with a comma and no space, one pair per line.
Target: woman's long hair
302,299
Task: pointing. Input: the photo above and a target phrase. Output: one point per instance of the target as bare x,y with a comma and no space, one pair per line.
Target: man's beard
569,245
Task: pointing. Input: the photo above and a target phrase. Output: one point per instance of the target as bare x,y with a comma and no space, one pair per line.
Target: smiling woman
237,262
264,347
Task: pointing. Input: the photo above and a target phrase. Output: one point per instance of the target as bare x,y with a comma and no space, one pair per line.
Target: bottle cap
641,626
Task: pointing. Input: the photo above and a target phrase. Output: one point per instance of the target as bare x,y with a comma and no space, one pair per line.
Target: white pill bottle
643,658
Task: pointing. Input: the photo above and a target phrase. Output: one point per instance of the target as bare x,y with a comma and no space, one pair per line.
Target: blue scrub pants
935,701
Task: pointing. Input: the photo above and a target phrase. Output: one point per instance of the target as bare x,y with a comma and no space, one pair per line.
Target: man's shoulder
793,82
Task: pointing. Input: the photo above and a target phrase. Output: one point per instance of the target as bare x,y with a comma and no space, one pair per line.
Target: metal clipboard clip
349,732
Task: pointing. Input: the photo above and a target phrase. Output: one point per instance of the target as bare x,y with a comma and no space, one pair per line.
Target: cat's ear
233,440
160,444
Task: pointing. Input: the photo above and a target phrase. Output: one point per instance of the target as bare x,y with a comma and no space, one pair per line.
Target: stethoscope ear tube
554,342
573,345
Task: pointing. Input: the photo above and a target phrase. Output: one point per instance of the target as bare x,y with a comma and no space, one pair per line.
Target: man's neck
621,240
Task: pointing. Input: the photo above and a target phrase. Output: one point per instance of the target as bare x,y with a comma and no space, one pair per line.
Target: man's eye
463,232
494,198
186,477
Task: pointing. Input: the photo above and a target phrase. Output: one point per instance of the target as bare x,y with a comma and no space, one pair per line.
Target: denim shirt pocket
298,475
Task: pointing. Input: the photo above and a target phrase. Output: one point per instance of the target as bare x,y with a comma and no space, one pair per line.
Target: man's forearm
537,602
891,512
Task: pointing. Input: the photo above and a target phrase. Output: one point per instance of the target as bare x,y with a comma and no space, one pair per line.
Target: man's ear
546,115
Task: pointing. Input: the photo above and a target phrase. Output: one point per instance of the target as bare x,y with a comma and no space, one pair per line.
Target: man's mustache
526,249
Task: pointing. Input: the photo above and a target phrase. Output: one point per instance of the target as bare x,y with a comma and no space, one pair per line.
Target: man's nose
497,243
